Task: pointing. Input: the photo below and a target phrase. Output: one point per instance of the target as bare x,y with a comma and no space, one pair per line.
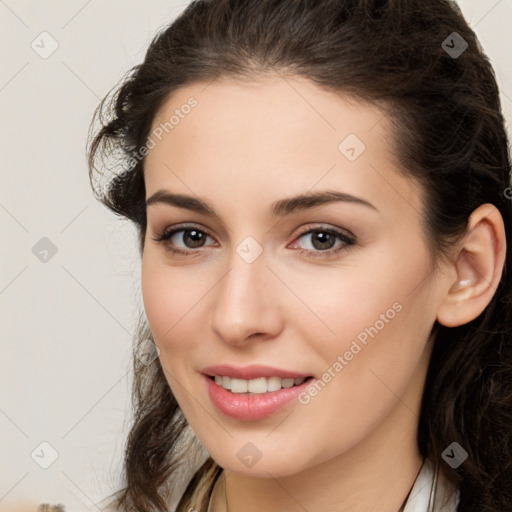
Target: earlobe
479,267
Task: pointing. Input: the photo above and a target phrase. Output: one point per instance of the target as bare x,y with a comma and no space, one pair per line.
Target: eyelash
348,241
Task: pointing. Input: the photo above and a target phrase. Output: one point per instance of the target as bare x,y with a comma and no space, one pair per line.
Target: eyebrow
279,208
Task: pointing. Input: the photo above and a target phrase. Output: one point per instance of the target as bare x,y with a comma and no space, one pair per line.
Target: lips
251,372
249,406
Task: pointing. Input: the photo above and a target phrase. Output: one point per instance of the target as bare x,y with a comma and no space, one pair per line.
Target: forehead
264,107
271,137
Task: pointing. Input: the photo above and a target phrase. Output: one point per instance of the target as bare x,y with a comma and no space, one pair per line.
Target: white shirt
432,491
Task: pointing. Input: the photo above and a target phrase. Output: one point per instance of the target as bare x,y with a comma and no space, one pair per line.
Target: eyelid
164,234
299,232
324,227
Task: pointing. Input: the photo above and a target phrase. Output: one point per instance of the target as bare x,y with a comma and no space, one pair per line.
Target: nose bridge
244,303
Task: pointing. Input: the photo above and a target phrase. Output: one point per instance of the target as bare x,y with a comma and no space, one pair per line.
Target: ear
479,266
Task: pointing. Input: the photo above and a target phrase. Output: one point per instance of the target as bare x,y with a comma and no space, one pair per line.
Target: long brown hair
449,134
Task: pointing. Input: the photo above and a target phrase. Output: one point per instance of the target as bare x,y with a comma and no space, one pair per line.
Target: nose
246,303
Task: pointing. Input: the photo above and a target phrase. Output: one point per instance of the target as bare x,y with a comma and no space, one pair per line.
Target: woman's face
341,290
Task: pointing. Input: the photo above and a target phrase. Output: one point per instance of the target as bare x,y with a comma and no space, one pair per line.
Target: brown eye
193,238
190,238
323,240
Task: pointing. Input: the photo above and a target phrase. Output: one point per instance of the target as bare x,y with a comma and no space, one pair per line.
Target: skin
244,146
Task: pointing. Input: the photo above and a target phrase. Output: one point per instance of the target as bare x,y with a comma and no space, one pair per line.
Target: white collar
432,491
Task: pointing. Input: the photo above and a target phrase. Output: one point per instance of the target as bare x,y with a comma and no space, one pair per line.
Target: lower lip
252,407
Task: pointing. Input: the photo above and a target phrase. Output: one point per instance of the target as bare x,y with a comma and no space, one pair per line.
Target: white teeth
226,382
256,386
273,384
287,383
238,386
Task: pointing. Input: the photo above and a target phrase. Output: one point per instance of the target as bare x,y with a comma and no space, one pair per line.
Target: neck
376,474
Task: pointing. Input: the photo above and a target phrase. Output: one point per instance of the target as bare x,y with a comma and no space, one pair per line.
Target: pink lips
245,406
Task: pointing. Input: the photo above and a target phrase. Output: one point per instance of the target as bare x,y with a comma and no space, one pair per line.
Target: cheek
158,303
167,299
377,315
381,319
170,301
353,299
175,301
372,361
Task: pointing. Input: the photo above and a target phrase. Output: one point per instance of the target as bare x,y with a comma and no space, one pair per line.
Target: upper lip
251,372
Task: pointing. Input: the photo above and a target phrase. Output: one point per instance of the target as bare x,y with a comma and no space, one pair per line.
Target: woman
322,194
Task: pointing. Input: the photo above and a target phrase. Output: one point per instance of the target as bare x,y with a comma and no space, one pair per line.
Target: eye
323,242
190,236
